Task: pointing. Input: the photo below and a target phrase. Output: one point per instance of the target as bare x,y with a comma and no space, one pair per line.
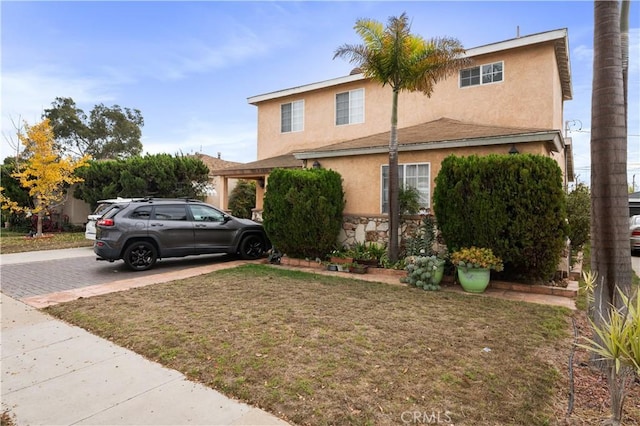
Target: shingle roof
434,132
263,166
214,164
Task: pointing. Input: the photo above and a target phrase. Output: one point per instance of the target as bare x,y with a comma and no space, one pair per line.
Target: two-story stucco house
510,100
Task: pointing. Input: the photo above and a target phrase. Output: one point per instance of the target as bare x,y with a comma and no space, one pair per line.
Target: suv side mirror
226,218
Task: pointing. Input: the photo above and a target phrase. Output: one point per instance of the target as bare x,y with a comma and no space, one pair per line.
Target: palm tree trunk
394,204
610,257
624,43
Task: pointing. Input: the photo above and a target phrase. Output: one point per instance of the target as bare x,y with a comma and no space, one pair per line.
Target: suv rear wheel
252,247
140,255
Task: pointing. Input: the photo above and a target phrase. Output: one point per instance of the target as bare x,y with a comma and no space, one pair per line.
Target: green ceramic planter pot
474,280
438,274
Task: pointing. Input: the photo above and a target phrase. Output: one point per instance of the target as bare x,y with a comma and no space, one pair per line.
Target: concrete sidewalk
57,374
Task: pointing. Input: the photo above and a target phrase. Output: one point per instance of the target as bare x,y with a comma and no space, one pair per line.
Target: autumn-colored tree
45,173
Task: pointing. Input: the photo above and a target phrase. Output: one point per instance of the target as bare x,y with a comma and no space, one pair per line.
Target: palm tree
610,255
404,61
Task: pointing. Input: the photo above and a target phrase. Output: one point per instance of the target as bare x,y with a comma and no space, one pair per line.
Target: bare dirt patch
321,350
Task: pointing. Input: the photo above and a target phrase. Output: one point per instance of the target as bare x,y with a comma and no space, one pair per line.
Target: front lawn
17,242
319,350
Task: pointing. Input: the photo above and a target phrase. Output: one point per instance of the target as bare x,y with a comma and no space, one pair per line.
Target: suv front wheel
140,255
252,247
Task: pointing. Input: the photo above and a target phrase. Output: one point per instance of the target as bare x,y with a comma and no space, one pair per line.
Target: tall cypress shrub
303,211
159,175
513,204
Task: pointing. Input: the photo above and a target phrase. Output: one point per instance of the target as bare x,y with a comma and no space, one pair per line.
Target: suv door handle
199,225
157,224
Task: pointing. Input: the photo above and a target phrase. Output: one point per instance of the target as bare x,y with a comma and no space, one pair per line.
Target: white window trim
335,107
301,101
460,86
425,163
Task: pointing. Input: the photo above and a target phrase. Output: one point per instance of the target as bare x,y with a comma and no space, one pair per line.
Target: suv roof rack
152,199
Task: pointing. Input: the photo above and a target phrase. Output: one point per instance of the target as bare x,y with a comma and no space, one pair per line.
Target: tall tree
392,55
45,174
610,257
107,133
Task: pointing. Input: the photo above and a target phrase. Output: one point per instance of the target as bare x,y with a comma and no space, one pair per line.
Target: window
292,117
206,214
143,213
350,107
168,212
483,74
414,175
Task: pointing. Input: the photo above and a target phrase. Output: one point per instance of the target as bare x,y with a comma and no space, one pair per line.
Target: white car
634,229
103,207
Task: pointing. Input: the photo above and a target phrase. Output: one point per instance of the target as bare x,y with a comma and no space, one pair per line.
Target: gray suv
144,230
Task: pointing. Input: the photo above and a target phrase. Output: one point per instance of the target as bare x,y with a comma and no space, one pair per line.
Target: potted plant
357,268
424,272
339,256
367,254
474,266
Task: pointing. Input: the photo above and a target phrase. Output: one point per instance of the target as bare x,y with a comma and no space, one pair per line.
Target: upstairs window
292,117
350,107
483,74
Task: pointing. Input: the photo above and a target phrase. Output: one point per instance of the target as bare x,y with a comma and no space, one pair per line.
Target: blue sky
189,67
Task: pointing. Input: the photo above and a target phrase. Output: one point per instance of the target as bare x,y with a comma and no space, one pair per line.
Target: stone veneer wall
374,228
369,228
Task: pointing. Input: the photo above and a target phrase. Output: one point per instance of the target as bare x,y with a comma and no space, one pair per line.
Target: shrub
422,243
408,200
513,204
159,175
579,216
242,199
303,211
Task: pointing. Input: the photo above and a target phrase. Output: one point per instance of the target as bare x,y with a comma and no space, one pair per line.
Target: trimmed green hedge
159,175
303,211
513,204
242,199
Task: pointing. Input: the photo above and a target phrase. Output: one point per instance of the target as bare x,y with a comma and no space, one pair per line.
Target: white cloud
233,141
582,53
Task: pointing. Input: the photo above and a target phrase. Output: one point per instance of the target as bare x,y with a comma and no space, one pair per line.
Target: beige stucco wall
75,210
529,96
362,180
215,199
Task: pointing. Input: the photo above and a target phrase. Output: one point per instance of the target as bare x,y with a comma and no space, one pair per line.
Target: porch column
222,193
260,194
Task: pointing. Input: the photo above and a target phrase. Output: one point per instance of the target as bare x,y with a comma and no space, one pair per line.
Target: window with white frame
292,117
350,107
482,74
409,175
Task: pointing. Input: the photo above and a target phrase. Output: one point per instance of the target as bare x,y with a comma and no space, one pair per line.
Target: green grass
321,350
